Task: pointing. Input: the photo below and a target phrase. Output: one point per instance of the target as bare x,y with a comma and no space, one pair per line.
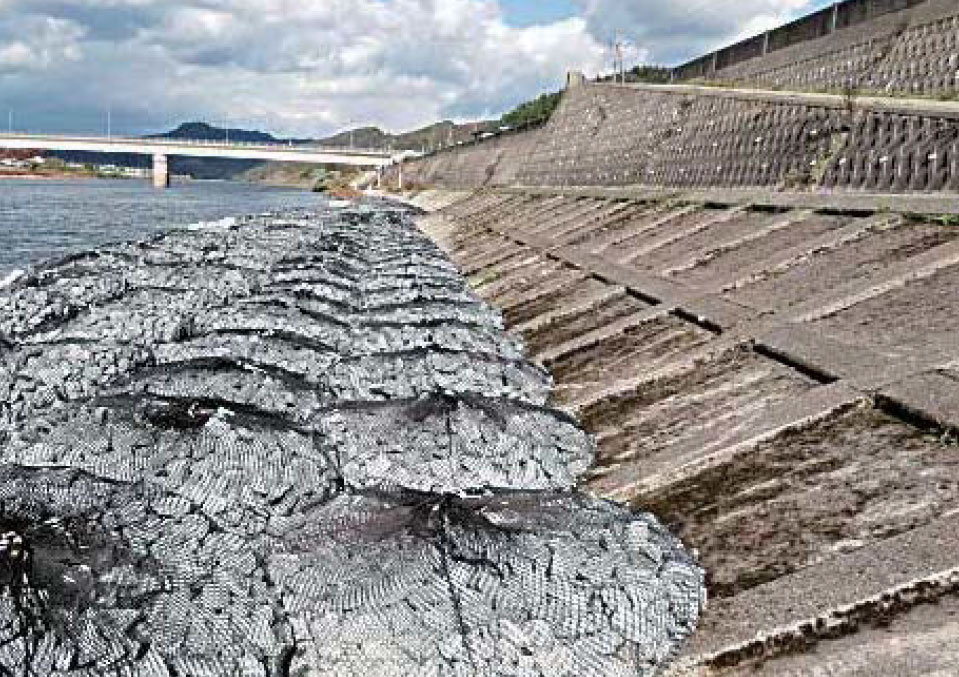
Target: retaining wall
495,162
892,46
680,137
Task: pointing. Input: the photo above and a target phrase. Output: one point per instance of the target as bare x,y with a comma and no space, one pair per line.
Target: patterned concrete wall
612,136
914,51
490,163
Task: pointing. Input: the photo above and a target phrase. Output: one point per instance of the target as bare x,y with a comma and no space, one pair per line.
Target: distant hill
198,168
440,133
431,136
534,112
426,138
201,131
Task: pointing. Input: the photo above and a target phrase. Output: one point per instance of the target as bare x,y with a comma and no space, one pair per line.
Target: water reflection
41,219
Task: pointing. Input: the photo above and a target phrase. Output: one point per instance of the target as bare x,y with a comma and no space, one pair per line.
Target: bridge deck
271,152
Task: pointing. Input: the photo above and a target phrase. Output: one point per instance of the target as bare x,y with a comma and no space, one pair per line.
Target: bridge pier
161,171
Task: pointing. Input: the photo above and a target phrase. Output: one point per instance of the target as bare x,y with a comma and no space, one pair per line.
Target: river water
42,219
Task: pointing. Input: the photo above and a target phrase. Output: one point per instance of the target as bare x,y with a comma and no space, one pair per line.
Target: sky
308,68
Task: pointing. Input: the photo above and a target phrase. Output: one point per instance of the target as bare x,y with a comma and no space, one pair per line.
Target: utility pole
109,123
619,58
10,121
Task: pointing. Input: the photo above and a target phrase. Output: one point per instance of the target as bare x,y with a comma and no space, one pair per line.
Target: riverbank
32,177
284,175
168,399
306,176
773,375
15,174
68,174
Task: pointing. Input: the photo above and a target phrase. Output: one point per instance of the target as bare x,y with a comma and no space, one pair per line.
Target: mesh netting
299,445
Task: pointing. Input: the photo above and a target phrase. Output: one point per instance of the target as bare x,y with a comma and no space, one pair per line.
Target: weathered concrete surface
606,135
778,380
909,47
844,100
300,445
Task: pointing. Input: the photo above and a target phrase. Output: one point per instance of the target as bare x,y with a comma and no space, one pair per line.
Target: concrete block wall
494,162
608,135
897,153
914,51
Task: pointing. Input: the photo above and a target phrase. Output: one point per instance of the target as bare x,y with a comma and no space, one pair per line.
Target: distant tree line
655,75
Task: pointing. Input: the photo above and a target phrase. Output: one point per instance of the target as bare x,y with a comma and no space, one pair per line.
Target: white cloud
680,29
37,43
15,55
303,67
308,67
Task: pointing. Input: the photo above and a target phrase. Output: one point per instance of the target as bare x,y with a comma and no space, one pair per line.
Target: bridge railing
217,143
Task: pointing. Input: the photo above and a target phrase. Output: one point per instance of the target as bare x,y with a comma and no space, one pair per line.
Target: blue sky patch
530,12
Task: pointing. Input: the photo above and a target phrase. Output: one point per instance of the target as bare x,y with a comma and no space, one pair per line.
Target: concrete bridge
161,149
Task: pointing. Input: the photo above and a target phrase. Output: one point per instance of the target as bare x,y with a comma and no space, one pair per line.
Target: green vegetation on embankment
539,110
286,174
532,112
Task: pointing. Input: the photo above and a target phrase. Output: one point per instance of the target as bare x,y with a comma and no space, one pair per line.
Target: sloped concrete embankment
610,135
779,382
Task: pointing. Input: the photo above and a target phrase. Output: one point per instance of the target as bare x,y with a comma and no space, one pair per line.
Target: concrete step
789,414
829,600
651,221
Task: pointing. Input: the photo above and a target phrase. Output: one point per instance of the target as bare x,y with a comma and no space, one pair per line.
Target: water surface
43,219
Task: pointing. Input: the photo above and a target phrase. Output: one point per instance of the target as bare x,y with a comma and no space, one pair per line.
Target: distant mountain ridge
201,131
425,138
439,134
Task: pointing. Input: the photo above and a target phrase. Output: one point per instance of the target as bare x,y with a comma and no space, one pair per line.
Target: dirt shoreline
48,177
